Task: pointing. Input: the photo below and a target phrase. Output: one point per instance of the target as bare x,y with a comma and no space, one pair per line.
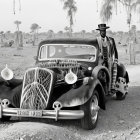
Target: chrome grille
36,89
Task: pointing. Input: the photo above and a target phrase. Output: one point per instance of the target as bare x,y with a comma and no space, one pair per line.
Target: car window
76,50
51,51
43,53
72,51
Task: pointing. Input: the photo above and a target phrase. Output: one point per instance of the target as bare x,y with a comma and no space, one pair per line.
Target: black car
67,82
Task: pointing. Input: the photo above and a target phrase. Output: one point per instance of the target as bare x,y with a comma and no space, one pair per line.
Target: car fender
99,68
11,90
121,72
79,96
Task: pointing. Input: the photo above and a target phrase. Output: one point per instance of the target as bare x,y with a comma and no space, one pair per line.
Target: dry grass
125,57
17,60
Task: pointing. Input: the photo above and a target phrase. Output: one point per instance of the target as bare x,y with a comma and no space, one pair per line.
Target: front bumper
50,114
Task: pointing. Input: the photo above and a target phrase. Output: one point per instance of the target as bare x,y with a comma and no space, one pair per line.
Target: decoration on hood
70,77
7,73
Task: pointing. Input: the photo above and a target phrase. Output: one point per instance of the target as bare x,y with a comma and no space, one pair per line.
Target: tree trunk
17,39
71,23
129,45
34,39
20,40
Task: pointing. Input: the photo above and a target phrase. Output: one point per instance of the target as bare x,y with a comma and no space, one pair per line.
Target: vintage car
67,82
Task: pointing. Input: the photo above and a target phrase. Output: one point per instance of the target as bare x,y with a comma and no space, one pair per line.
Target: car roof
87,41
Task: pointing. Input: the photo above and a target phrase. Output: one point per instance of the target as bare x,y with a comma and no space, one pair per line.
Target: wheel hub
94,108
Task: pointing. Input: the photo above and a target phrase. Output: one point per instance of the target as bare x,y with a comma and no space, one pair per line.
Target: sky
49,14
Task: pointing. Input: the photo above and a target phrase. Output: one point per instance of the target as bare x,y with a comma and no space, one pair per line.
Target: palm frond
135,5
106,11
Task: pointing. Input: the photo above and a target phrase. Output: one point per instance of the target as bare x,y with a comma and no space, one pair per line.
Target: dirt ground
120,121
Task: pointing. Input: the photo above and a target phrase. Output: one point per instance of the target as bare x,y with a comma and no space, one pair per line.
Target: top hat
102,27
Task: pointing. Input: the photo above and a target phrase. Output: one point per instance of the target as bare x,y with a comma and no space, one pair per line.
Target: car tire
90,108
5,118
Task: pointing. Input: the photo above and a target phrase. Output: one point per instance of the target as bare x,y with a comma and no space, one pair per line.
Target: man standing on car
108,52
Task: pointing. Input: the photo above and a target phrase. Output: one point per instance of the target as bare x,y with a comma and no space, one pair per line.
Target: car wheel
90,109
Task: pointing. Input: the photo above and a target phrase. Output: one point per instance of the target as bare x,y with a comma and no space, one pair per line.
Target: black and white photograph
69,70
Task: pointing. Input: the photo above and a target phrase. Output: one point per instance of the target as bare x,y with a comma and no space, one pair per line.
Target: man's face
103,33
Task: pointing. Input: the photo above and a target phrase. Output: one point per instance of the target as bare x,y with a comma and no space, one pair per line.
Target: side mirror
35,57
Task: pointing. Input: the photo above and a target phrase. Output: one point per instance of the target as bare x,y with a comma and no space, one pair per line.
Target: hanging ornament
70,77
7,73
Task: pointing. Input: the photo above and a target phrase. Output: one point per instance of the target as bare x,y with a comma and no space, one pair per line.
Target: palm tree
17,33
70,6
34,29
60,33
1,35
37,31
67,29
50,34
110,5
133,32
106,10
7,34
17,24
133,41
83,32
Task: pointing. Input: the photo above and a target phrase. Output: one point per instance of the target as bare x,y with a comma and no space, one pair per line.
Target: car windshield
67,51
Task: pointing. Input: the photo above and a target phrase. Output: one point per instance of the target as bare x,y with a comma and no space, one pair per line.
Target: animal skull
5,103
57,105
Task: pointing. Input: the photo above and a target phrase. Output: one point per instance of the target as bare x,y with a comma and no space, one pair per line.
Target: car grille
37,85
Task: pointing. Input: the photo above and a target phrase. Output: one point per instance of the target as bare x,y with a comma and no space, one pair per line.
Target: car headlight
70,77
